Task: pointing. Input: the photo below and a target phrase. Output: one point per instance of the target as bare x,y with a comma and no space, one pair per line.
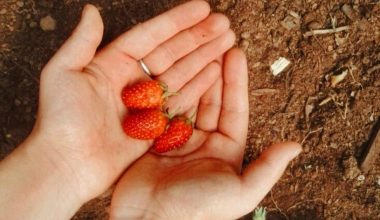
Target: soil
334,123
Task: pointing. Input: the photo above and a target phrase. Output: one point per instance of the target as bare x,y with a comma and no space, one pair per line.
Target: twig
373,69
353,77
326,31
310,200
260,92
308,134
345,110
325,101
275,204
343,114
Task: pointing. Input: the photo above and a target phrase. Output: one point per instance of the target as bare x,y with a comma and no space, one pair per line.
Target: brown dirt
324,182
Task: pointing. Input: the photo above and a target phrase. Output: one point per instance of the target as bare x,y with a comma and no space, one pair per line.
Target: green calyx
172,115
166,94
190,121
163,86
168,114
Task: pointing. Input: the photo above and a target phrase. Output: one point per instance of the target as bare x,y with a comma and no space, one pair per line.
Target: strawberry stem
193,115
170,115
167,94
163,86
190,120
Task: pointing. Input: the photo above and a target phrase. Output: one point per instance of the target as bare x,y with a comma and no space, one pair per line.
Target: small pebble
3,11
244,44
361,177
48,23
366,60
290,22
351,169
257,64
334,145
335,56
20,4
245,35
371,117
314,25
8,136
348,11
306,149
308,167
17,102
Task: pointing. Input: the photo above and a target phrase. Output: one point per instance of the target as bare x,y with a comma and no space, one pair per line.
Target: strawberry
149,94
145,124
177,134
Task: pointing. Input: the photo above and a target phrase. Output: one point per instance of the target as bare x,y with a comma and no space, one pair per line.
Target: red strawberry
148,94
178,133
145,124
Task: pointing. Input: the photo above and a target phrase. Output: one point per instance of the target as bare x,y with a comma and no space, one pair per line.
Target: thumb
262,174
80,48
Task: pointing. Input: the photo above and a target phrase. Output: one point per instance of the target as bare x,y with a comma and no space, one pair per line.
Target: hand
204,181
78,129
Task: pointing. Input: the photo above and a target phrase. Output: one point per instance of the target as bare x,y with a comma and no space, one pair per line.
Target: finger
81,47
186,68
118,68
234,113
145,37
260,176
165,55
190,94
219,147
209,107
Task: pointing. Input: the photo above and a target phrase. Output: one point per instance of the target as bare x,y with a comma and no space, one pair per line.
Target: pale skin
77,148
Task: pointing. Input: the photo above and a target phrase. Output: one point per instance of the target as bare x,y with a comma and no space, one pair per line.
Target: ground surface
323,183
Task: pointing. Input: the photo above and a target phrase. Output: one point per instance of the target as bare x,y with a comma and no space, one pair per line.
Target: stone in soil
48,23
351,169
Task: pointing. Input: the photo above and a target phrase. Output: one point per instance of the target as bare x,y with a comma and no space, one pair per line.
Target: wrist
34,187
